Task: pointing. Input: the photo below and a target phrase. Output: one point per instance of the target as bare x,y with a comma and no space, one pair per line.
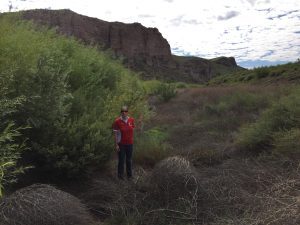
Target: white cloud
246,29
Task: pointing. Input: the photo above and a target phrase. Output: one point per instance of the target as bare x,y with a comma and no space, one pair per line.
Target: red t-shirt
126,130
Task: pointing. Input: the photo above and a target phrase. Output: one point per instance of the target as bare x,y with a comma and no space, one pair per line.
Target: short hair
124,108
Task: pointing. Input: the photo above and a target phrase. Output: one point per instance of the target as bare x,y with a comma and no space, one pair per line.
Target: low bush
262,72
151,147
237,103
287,143
166,91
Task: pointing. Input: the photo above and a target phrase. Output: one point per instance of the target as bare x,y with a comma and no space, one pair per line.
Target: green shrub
11,142
282,115
262,72
72,93
181,85
166,91
151,86
10,153
236,102
287,143
150,147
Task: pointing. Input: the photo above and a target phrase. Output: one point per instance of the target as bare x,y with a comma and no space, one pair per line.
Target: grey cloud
193,22
268,53
282,15
145,16
177,21
234,49
252,2
228,15
268,10
170,1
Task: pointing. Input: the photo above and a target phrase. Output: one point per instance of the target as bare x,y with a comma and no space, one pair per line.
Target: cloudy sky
255,32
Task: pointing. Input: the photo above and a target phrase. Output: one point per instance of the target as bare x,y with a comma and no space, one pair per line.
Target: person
123,128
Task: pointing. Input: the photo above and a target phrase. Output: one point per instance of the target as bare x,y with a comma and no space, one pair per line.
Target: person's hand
117,148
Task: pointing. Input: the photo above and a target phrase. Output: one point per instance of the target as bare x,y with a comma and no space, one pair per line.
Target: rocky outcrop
142,49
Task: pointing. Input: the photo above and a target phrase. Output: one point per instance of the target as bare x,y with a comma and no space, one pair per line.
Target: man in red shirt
123,131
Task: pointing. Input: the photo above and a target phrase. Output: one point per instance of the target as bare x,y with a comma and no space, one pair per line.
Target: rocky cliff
142,49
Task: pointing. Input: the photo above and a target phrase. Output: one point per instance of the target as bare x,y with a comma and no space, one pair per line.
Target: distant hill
141,49
286,73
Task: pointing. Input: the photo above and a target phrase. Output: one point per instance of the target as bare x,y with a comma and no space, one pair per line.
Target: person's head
124,110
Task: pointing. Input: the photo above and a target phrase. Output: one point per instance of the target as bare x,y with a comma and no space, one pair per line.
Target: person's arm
116,140
116,136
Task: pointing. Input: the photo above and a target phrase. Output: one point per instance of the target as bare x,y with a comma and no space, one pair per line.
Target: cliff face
142,49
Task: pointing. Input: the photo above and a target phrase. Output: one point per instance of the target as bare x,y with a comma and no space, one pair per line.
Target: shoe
121,177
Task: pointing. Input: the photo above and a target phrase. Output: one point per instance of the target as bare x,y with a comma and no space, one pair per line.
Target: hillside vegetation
225,153
58,101
286,73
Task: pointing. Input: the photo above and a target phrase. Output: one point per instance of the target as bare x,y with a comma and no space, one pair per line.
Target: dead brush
121,200
41,204
173,191
252,193
172,176
109,198
168,193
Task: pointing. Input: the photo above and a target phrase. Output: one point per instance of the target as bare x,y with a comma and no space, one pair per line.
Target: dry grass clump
249,192
41,204
109,198
169,192
173,178
117,201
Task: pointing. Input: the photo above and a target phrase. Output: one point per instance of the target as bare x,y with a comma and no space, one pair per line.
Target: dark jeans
125,153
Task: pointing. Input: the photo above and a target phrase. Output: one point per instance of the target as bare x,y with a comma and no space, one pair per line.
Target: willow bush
71,95
11,142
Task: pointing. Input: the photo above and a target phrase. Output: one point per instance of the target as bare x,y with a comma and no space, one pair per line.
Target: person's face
124,113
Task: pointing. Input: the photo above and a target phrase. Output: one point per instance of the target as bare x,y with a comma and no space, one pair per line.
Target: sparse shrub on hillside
275,74
281,116
262,72
43,205
236,103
